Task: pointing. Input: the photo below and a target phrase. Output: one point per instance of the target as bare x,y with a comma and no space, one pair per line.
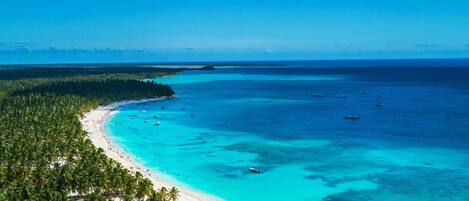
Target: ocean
410,143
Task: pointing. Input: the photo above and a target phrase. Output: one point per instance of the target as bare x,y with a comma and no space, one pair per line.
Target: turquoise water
222,122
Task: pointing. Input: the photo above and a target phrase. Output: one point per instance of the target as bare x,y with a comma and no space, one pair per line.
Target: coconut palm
144,186
162,194
173,194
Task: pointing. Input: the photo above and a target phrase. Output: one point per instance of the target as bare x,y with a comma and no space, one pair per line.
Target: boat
254,170
156,116
379,104
208,68
317,95
156,123
352,116
183,109
146,120
365,92
340,96
163,107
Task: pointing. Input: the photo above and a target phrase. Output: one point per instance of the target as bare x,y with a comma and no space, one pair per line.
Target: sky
180,30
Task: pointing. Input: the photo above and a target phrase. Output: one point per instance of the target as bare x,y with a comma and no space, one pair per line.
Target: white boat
157,123
254,170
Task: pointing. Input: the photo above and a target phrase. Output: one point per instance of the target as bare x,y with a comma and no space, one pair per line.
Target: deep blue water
415,147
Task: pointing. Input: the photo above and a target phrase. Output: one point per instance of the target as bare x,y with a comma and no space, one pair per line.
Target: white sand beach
94,121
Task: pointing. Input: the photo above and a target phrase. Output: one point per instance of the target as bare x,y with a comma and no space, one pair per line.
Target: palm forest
44,153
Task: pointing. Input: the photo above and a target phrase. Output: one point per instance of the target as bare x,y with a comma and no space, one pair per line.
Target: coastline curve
94,121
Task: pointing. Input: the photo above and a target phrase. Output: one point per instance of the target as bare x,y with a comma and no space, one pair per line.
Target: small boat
340,96
254,170
192,116
352,116
156,116
163,107
317,95
146,120
364,92
157,123
379,104
183,109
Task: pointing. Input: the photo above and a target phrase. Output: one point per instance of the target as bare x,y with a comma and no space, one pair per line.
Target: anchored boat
317,95
352,116
379,104
340,96
254,170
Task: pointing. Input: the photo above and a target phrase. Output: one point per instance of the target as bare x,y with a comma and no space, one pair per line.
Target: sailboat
352,116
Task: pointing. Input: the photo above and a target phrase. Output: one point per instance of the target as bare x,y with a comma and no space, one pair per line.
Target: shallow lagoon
413,148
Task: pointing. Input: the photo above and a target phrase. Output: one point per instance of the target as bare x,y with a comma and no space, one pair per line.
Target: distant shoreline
94,123
315,63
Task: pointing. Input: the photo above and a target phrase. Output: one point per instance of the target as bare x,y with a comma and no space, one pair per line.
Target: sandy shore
94,121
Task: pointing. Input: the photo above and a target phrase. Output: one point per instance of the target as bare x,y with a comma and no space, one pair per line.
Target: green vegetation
44,153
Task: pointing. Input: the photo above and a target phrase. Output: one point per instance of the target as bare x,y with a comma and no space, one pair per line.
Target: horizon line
234,62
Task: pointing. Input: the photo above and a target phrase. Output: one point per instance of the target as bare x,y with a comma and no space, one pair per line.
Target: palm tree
153,196
162,194
173,194
44,153
144,186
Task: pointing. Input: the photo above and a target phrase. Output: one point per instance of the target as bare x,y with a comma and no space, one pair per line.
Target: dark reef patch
413,184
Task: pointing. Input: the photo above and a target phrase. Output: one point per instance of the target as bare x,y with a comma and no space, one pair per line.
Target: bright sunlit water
414,147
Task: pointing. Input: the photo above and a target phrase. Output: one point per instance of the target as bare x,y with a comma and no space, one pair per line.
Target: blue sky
237,29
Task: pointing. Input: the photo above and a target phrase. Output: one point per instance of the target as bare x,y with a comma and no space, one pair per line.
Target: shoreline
94,121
